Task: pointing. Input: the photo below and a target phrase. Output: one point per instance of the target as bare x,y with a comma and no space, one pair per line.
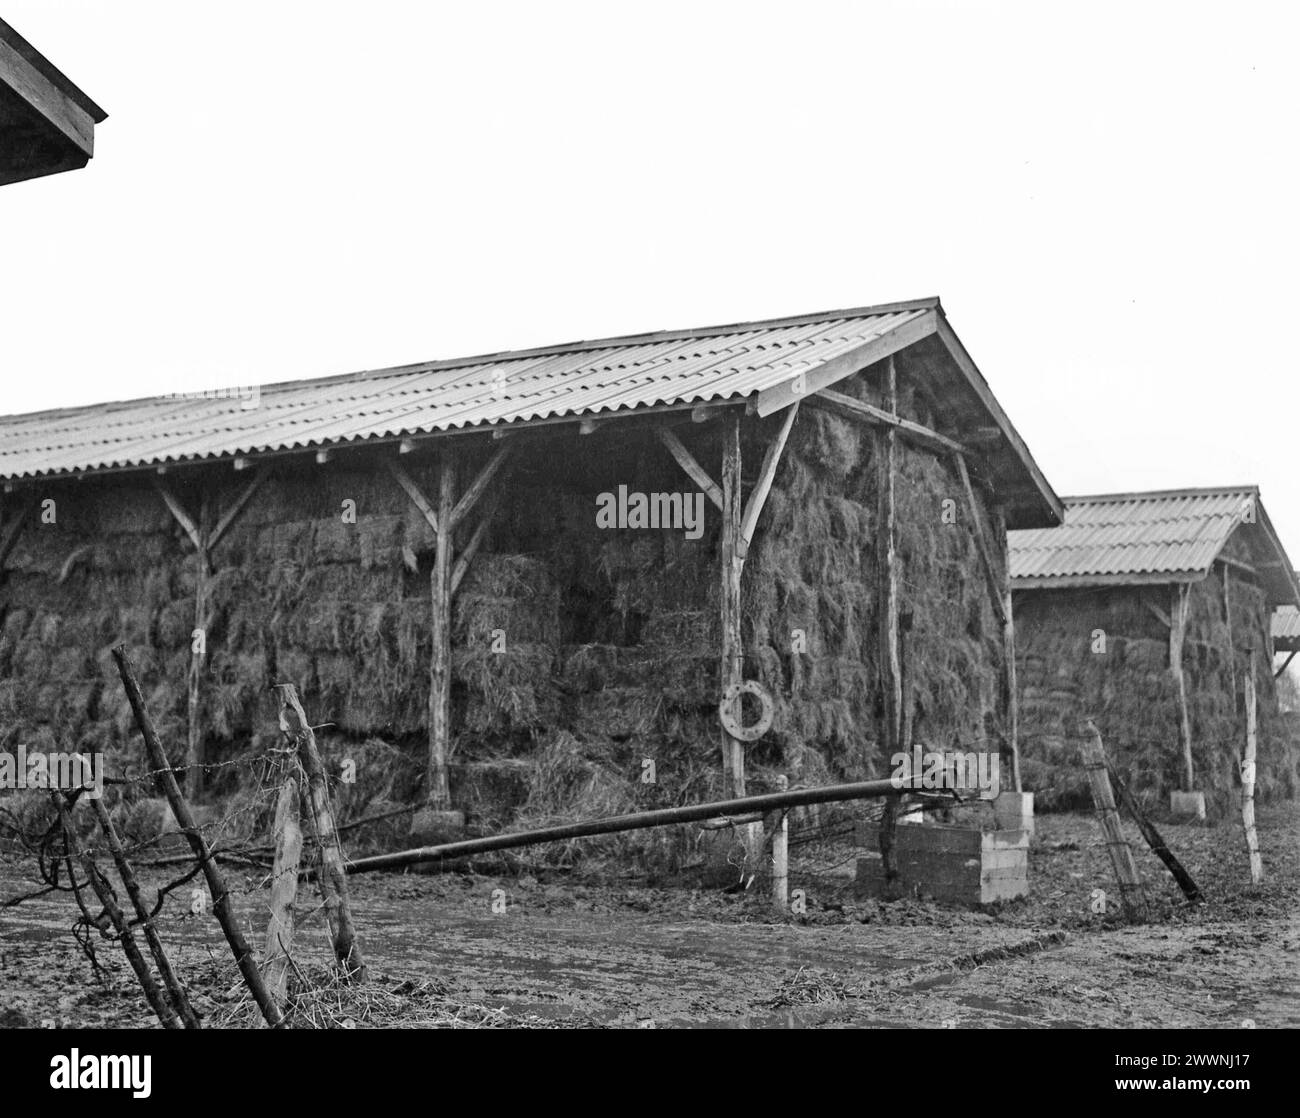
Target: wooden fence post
777,824
104,891
165,779
284,891
333,878
1121,854
1248,778
175,991
1153,838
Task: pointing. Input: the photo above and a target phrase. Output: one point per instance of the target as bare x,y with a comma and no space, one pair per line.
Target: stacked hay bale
1104,654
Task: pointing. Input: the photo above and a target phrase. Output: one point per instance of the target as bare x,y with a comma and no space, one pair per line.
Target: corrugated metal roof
582,378
1286,624
1165,536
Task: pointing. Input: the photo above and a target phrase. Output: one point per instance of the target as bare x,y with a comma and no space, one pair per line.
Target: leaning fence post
1248,778
1154,840
165,778
175,991
333,877
104,891
1103,798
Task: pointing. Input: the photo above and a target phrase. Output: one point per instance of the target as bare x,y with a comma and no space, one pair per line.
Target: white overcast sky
1104,196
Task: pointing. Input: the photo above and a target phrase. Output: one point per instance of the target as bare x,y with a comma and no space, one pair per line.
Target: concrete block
432,828
1190,804
1014,811
961,865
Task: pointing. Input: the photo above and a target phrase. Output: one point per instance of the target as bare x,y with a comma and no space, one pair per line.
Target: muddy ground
557,948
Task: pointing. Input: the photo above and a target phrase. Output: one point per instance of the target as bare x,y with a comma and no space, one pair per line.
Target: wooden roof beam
849,408
803,384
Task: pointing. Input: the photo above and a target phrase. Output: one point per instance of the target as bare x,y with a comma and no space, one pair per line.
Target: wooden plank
418,499
1177,633
813,380
981,541
437,782
466,557
471,495
766,475
232,513
1248,778
73,123
859,411
1158,613
1121,854
687,462
183,518
1286,663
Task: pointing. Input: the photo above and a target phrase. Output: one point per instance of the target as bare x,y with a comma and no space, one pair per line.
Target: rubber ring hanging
729,711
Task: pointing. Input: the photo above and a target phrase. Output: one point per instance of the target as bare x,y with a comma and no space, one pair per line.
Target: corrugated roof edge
1047,582
929,303
1164,494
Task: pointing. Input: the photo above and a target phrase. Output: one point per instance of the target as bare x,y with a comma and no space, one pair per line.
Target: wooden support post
437,780
1285,663
12,530
1248,777
205,537
332,878
1121,854
763,485
692,468
991,579
1011,688
891,672
732,563
175,991
1227,616
778,827
284,891
165,779
444,580
1177,631
195,758
1153,837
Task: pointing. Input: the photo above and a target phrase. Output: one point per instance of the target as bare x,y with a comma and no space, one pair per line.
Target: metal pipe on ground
691,813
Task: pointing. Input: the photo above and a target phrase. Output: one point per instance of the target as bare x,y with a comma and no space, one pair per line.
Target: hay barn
428,553
1145,612
47,124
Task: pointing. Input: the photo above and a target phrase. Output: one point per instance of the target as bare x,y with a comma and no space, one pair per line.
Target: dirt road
566,949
